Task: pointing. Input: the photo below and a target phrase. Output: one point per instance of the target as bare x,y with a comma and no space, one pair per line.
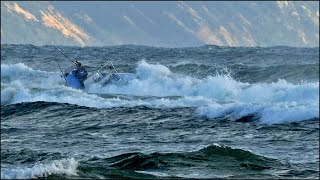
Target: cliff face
169,24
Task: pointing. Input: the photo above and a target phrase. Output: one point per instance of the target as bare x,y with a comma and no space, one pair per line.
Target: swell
290,72
221,161
25,156
213,154
252,73
26,108
127,56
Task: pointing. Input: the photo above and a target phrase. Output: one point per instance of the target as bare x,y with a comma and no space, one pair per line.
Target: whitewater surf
243,112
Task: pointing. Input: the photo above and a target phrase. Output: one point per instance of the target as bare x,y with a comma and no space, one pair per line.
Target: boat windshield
107,70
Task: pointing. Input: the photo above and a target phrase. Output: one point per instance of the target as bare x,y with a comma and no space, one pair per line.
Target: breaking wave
217,159
64,166
156,86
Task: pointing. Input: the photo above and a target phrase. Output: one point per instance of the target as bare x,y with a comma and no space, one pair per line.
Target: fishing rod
65,55
58,48
61,70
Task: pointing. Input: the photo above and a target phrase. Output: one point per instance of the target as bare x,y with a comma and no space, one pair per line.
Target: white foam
158,174
30,78
159,81
18,70
64,166
182,63
213,96
145,70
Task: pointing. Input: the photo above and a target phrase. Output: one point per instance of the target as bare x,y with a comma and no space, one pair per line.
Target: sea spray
259,104
64,166
214,96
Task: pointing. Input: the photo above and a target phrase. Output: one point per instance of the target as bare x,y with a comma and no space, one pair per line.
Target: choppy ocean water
202,112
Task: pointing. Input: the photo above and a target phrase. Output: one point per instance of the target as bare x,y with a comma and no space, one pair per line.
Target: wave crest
64,166
213,96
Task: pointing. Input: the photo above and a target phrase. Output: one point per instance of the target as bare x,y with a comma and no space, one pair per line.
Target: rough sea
195,112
